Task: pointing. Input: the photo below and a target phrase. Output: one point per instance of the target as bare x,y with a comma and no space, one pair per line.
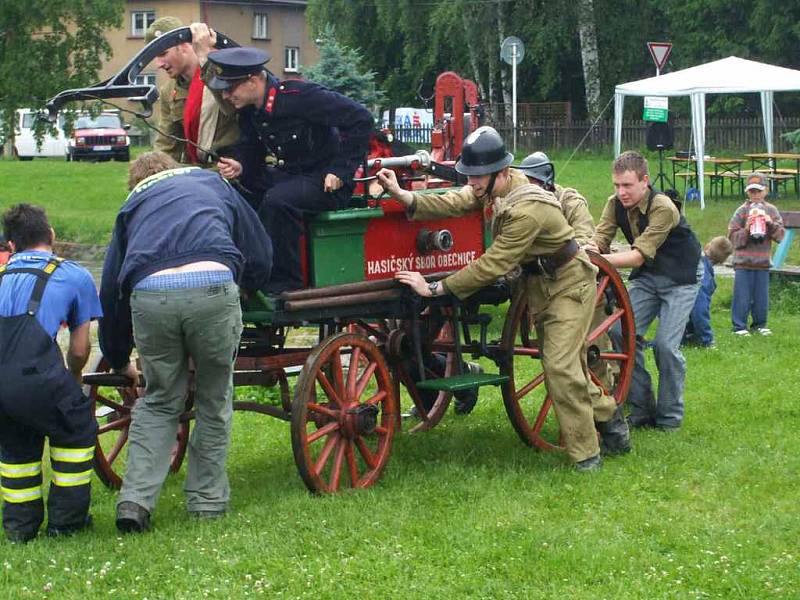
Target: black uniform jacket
310,129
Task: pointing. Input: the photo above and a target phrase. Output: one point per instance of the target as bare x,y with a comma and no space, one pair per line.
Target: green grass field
466,510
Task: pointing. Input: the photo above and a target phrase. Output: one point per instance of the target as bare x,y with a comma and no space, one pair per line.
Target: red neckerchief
191,115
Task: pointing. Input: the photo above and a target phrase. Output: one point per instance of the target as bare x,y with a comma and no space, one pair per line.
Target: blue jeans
750,297
656,296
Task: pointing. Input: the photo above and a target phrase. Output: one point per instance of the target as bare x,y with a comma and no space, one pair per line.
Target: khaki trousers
563,310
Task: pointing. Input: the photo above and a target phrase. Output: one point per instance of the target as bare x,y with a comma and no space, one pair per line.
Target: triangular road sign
660,52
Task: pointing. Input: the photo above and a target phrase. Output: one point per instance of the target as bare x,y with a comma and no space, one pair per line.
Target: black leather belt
548,264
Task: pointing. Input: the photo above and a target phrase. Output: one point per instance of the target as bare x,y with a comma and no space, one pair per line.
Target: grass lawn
82,198
466,510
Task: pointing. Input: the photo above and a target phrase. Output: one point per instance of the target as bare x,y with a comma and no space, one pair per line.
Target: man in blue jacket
183,243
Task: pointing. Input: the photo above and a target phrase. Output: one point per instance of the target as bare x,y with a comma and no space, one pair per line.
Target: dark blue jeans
750,298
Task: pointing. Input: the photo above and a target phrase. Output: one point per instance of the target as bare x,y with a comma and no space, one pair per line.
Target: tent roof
726,76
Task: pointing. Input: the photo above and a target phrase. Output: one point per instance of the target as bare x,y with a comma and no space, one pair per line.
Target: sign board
660,52
512,50
656,109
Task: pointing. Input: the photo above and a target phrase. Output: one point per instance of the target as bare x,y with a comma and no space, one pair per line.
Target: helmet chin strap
490,187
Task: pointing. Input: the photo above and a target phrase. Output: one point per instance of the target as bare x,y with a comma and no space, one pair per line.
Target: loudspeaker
660,136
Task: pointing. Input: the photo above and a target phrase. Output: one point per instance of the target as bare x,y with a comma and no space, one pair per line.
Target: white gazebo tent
730,75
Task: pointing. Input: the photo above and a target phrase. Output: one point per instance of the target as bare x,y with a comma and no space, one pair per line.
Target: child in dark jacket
698,329
753,228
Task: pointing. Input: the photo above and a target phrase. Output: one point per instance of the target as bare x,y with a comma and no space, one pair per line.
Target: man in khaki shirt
665,258
528,225
212,123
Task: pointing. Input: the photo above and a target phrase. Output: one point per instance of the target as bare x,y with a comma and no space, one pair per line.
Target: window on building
260,26
145,79
140,21
291,58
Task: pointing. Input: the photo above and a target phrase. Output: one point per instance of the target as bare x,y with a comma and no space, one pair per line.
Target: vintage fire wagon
344,394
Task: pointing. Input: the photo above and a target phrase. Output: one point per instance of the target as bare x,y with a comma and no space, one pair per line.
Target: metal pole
514,91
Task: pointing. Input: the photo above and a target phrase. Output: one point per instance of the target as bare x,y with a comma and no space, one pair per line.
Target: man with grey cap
540,171
317,137
188,110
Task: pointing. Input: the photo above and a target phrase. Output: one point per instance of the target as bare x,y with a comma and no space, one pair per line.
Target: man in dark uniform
317,136
39,396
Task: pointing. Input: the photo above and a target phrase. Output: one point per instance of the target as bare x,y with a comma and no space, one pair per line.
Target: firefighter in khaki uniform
540,171
189,110
529,230
39,396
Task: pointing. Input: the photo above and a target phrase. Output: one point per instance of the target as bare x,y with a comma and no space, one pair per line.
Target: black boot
132,518
615,437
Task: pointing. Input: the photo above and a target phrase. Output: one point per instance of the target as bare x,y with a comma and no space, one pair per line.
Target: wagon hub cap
362,419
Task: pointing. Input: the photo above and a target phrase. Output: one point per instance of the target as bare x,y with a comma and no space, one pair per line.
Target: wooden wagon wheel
395,337
527,403
344,414
112,408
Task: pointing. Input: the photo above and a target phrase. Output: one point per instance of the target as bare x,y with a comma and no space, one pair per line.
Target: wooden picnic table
777,175
725,169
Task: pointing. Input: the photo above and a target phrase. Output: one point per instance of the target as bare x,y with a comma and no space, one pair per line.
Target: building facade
278,26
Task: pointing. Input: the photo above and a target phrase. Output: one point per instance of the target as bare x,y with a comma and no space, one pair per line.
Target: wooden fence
722,135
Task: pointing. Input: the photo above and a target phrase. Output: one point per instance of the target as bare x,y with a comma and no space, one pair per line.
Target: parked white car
25,146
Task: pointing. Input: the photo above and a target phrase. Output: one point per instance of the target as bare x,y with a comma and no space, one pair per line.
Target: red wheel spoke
325,453
118,445
352,374
322,431
323,410
351,463
614,356
605,325
338,374
529,386
338,461
114,425
376,398
601,288
520,351
328,388
542,416
364,380
103,401
366,453
598,383
414,393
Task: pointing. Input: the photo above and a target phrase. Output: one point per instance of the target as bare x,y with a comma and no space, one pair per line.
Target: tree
341,68
50,45
589,56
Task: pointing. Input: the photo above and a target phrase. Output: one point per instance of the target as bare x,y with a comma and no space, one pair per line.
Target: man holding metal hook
316,136
190,111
